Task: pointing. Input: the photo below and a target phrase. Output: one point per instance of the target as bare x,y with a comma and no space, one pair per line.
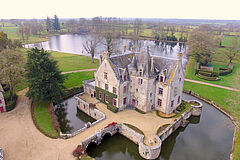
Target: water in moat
208,137
71,117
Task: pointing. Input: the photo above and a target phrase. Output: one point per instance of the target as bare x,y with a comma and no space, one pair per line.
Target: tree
24,32
202,44
233,50
48,24
43,76
3,41
11,68
56,24
91,45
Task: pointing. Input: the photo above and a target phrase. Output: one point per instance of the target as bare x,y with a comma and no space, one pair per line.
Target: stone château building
138,80
2,102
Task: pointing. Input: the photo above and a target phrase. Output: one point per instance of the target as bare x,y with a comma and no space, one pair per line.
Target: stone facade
2,101
139,80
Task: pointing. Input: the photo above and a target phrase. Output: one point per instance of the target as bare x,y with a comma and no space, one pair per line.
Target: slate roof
133,60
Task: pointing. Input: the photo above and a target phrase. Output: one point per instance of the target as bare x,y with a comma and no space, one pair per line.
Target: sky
186,9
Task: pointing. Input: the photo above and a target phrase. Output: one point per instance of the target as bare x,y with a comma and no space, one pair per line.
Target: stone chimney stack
101,59
133,49
179,56
124,48
106,55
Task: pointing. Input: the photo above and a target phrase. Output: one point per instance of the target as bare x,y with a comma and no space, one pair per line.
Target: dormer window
161,78
105,75
140,72
125,77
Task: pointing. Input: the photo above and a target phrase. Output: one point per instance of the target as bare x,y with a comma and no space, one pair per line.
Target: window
161,78
172,102
114,102
106,98
180,79
159,102
106,86
178,99
100,95
99,84
105,75
124,89
114,90
140,72
175,91
150,94
136,90
125,77
140,81
84,106
125,100
160,90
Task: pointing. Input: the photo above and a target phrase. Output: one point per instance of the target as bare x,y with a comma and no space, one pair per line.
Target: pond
73,43
74,118
208,137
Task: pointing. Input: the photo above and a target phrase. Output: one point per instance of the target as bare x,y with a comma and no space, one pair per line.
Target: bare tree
201,44
91,45
11,68
232,51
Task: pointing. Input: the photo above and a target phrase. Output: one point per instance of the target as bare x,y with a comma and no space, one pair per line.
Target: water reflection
73,43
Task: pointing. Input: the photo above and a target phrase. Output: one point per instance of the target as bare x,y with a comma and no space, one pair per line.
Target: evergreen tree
48,24
43,76
56,24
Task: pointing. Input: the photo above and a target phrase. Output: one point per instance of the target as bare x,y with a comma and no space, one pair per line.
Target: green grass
219,96
75,79
72,62
227,40
43,118
12,33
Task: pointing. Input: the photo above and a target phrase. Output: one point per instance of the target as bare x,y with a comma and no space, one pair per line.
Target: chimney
106,55
124,48
133,49
101,59
179,56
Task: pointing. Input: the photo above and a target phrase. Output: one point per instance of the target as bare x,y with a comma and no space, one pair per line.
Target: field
227,41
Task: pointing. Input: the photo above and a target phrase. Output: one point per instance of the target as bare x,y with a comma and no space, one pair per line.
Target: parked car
1,154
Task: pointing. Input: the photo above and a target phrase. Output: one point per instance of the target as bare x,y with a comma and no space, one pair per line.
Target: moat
206,137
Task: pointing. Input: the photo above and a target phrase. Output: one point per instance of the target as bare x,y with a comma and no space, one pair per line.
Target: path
83,70
214,85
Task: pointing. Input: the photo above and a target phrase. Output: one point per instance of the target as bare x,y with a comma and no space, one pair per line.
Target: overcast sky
189,9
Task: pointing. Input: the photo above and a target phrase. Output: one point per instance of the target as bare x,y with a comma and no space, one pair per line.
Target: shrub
224,71
207,78
207,73
53,117
11,104
181,107
112,108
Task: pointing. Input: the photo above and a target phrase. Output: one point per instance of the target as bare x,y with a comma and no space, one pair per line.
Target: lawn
75,79
12,33
219,60
72,62
227,40
219,96
43,118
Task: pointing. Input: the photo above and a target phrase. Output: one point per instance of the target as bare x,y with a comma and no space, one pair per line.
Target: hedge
11,104
224,71
112,108
207,73
207,78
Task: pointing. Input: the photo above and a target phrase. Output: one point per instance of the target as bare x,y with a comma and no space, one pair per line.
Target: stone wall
130,133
